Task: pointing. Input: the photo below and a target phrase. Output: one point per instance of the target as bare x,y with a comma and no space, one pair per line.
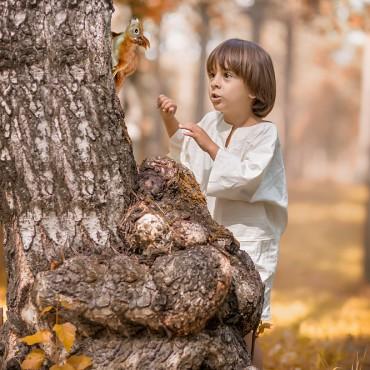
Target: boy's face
228,92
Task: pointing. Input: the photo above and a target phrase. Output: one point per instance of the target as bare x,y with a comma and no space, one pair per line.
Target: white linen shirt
245,184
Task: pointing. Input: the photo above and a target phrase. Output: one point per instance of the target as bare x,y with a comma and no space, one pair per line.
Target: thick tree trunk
134,261
65,159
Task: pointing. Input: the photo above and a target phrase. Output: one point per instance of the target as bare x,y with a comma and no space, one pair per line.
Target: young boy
236,157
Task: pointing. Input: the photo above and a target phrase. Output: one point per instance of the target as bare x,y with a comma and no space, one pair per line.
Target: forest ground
320,302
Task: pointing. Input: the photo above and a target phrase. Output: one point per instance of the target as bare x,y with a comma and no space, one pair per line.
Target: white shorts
264,254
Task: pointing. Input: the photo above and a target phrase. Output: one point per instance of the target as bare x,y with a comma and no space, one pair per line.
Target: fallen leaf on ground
46,310
41,336
62,367
33,360
80,362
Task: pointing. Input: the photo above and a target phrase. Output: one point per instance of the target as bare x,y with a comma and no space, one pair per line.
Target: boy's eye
227,74
211,75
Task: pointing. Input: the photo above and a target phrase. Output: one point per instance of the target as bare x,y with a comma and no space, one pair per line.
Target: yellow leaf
262,327
33,360
42,336
62,367
79,362
65,304
66,333
46,310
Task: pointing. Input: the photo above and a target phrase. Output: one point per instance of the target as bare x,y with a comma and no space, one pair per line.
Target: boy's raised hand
201,137
166,106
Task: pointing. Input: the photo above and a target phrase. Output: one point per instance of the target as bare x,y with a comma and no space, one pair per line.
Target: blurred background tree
353,18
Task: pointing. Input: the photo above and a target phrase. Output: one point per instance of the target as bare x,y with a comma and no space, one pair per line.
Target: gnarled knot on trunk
179,290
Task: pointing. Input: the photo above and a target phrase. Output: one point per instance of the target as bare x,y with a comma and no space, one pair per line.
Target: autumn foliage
64,336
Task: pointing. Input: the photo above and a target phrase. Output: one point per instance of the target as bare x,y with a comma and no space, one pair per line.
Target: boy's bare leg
257,357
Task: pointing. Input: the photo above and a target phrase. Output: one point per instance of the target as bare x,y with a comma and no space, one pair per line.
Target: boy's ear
252,96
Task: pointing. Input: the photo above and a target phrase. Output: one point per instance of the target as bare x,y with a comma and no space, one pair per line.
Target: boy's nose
215,82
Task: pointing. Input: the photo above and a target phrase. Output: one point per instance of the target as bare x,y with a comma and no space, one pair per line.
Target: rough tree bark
150,280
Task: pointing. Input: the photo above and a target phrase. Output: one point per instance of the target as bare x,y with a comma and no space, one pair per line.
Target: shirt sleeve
175,144
234,178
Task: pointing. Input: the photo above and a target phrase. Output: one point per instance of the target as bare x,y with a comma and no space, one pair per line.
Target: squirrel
124,51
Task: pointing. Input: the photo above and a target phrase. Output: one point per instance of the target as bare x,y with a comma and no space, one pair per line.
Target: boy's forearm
212,150
172,125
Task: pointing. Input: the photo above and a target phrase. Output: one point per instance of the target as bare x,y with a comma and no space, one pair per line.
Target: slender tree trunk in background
162,88
289,63
257,14
364,129
133,260
151,84
204,37
367,236
364,147
162,85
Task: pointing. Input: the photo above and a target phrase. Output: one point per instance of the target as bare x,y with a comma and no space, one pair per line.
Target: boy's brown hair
254,65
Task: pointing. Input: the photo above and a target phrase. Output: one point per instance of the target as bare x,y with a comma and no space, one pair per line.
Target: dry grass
321,304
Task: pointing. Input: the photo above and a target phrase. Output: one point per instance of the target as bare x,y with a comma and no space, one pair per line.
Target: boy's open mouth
215,96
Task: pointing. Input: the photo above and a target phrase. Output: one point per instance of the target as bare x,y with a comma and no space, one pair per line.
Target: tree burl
178,294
